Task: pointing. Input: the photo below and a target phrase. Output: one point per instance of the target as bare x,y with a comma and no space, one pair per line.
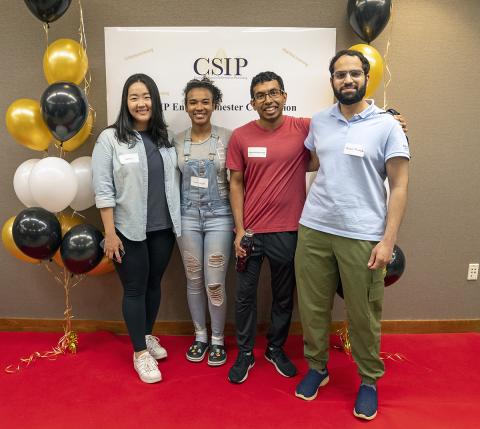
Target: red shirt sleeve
306,124
235,159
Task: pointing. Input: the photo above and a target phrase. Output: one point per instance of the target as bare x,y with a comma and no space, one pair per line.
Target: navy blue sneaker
367,402
308,388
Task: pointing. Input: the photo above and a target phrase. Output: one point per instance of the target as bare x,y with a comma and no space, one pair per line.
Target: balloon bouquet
368,18
49,185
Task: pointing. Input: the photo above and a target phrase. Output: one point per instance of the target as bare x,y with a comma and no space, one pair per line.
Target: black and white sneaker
239,371
280,360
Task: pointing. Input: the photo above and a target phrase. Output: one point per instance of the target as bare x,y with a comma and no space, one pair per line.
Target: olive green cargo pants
320,261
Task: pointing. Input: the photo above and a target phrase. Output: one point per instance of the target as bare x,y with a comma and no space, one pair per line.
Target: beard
351,98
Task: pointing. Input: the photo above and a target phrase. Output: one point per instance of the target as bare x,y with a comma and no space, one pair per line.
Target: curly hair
205,83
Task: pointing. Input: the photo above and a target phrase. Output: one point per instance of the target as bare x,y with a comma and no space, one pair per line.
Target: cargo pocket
375,300
378,287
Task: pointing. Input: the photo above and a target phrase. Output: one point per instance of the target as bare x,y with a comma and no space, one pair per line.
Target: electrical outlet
472,273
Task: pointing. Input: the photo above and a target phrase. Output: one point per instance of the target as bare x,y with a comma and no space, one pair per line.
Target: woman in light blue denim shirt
207,222
137,190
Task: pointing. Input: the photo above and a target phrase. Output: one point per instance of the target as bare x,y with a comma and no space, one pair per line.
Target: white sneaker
147,368
154,347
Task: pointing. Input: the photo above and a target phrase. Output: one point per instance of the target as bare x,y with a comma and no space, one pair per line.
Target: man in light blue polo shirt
346,230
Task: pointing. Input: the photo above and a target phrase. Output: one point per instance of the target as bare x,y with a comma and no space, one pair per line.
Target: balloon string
45,28
83,42
386,82
75,213
69,340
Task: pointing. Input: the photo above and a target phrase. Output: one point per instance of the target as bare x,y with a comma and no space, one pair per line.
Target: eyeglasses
273,93
341,75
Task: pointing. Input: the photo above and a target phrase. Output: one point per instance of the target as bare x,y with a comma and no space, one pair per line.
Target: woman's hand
113,247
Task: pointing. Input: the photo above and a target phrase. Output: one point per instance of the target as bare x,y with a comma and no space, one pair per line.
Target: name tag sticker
257,152
128,158
354,149
199,182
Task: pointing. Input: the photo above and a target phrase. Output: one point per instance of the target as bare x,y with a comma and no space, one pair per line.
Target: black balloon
80,249
368,18
396,267
340,288
48,10
64,109
37,233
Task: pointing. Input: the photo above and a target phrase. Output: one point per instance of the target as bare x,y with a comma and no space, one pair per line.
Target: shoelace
243,357
280,355
147,363
153,341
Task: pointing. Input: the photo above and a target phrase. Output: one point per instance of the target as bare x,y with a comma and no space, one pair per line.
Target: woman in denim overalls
207,222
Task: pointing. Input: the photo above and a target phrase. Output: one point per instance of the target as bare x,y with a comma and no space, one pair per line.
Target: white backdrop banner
230,56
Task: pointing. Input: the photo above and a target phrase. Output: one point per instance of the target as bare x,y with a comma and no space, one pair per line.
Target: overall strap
214,138
187,143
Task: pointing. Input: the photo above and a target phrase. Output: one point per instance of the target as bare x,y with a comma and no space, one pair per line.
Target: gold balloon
105,266
25,124
81,137
57,258
7,238
65,60
376,66
67,222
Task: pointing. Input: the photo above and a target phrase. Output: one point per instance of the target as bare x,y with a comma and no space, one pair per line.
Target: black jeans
279,248
141,272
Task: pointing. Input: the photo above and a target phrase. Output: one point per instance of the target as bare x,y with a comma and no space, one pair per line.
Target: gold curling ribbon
347,346
396,357
69,341
386,82
45,28
83,44
345,339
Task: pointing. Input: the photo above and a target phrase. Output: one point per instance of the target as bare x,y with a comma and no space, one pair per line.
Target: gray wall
435,83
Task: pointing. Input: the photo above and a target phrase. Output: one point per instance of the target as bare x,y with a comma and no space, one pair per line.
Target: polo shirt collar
370,110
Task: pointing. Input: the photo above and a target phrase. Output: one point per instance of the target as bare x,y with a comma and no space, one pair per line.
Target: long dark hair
124,128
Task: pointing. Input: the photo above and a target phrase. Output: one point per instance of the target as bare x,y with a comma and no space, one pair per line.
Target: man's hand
402,121
239,251
381,255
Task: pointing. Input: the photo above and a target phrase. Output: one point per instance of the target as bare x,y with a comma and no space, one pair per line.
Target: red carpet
438,387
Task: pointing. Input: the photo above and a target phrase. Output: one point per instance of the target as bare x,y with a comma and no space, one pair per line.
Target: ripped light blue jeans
206,242
206,245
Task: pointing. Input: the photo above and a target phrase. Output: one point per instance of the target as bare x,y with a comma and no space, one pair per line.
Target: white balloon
20,182
85,197
53,184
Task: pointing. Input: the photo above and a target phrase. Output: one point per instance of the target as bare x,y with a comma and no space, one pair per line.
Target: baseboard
184,327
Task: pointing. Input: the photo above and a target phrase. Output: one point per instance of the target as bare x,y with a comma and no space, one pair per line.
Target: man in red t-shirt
267,161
